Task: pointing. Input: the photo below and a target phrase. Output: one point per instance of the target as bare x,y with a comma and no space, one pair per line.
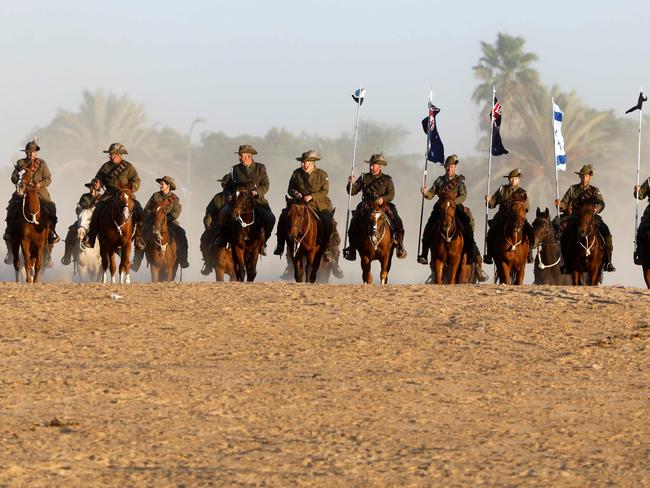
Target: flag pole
424,175
359,101
638,175
557,186
487,185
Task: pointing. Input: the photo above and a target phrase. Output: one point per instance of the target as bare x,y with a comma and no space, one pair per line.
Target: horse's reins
119,227
304,234
446,235
33,220
538,256
376,241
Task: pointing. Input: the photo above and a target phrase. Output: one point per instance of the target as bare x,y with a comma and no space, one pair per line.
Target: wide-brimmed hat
515,173
378,159
453,159
92,182
169,180
246,149
310,155
31,146
116,148
585,170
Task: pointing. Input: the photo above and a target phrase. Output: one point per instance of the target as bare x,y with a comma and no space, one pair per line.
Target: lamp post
188,181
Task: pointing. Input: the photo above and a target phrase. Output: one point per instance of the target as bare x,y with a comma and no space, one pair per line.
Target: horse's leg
238,260
298,268
315,267
27,260
366,275
646,275
154,272
503,271
38,263
125,263
251,265
438,265
111,264
15,251
575,277
521,271
385,268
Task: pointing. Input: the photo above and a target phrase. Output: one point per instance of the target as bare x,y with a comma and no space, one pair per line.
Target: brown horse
446,241
303,246
116,229
547,262
643,250
246,235
161,247
31,232
375,242
508,242
223,263
583,247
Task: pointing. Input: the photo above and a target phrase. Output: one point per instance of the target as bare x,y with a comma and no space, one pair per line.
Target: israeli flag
560,155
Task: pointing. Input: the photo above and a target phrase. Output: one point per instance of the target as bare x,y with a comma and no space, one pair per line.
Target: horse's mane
587,197
519,195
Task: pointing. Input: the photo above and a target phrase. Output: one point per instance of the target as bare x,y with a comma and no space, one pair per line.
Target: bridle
157,235
448,238
239,214
546,232
298,242
374,229
125,213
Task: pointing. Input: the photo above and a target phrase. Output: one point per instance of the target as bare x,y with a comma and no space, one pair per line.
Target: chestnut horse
160,247
547,261
583,246
116,229
643,250
446,241
30,233
375,242
302,239
223,263
508,242
246,235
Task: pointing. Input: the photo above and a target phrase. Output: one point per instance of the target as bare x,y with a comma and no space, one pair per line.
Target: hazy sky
248,66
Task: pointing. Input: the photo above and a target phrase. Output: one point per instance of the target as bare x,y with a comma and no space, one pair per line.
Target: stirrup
401,253
609,267
487,259
278,251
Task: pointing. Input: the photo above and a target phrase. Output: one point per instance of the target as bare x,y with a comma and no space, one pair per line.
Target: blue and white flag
560,155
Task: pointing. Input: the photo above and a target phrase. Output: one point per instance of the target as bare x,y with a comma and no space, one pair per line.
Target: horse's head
243,207
159,220
377,218
587,218
446,209
298,216
83,222
516,214
28,189
541,226
125,202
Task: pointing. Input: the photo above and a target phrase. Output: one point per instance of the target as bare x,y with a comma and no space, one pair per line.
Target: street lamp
189,152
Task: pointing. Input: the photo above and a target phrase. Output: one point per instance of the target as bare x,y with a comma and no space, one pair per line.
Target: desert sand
284,384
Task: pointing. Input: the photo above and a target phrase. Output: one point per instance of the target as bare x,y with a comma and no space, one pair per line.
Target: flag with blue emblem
436,152
560,154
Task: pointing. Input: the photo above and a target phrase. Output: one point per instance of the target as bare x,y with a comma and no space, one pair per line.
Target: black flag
639,104
436,147
497,144
359,95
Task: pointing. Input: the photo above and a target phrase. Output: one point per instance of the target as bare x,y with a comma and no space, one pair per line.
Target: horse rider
42,177
451,182
575,196
379,188
311,185
251,175
502,198
115,174
640,193
88,200
173,207
211,232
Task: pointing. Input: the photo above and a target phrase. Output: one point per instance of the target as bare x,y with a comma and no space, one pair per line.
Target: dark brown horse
547,262
583,246
643,250
30,232
116,229
223,263
508,242
375,242
161,247
246,235
302,239
446,241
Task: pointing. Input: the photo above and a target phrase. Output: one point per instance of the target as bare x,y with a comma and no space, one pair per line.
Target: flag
639,104
560,155
436,152
497,144
359,95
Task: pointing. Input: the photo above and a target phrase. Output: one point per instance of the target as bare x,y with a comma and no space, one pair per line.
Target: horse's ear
547,212
538,212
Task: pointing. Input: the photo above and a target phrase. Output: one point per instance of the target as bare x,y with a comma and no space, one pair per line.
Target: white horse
87,261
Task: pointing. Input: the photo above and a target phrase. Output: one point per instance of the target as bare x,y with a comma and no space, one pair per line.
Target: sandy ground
285,384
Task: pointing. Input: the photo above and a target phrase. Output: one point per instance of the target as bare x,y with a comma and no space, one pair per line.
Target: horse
643,250
447,241
584,247
87,261
223,263
160,247
246,235
116,229
375,242
302,242
548,257
508,242
30,233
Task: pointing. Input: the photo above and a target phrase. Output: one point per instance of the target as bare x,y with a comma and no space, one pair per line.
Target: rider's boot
609,248
530,259
401,251
487,259
138,241
350,253
279,248
206,269
423,256
53,237
478,263
637,258
7,238
69,242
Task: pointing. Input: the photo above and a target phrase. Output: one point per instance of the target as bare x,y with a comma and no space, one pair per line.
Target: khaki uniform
571,198
170,201
113,177
213,210
502,198
503,195
454,183
644,225
42,175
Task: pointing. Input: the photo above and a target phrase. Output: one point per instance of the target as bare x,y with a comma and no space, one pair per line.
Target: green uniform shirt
170,202
42,175
213,210
503,195
114,176
87,201
445,181
253,177
373,187
644,192
315,184
573,195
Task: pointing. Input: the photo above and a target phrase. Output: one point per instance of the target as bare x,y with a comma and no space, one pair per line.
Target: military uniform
113,177
502,198
40,174
86,201
571,202
252,178
211,232
173,208
314,183
644,225
373,187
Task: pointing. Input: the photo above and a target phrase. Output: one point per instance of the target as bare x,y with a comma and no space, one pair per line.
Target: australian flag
436,147
497,144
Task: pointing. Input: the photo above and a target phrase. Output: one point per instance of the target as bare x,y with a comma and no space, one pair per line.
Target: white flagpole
638,175
424,175
557,186
354,157
487,185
